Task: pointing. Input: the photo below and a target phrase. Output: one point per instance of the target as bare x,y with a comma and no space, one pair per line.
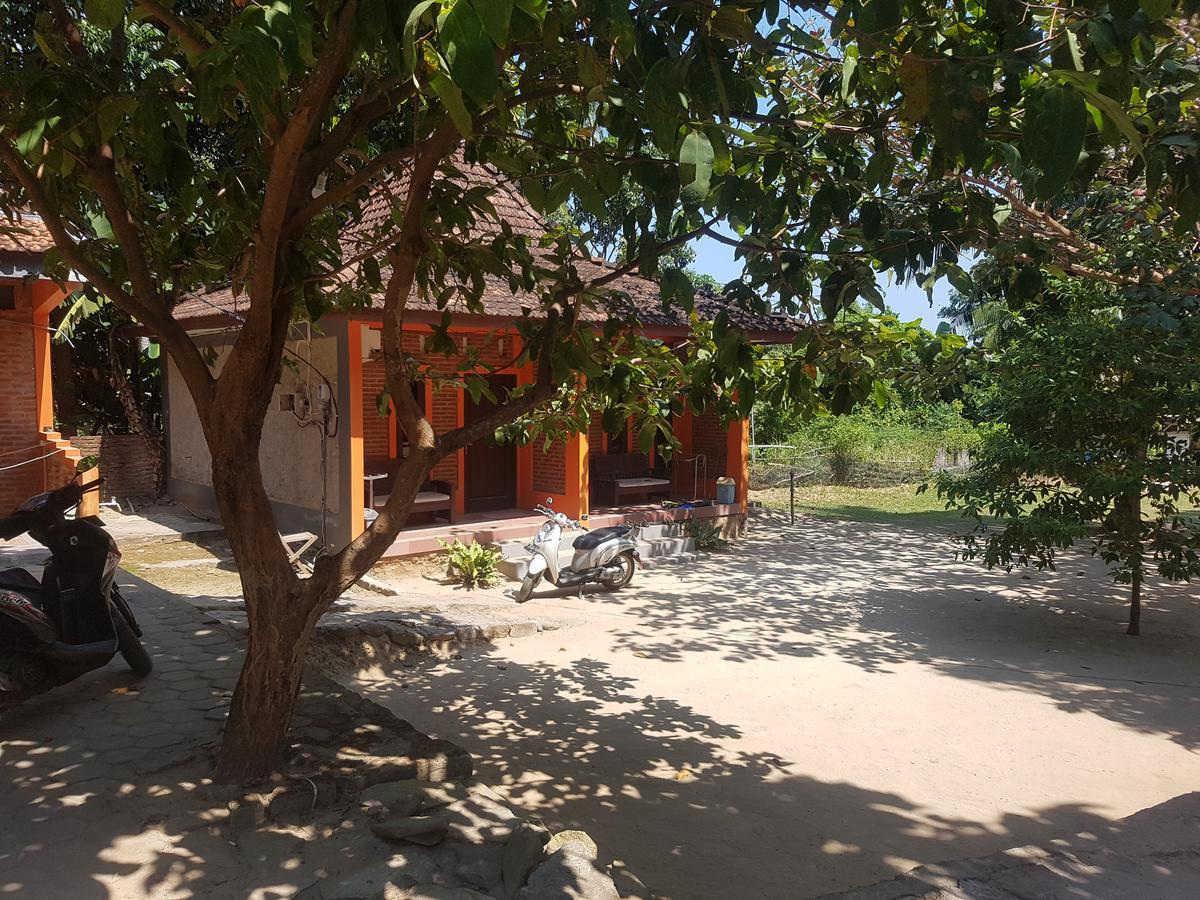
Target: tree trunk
1133,512
281,614
1135,606
265,696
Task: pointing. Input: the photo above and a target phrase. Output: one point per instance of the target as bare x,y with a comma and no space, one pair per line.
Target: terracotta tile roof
24,234
630,297
510,204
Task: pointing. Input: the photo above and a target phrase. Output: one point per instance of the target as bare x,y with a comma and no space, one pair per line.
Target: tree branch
176,27
174,337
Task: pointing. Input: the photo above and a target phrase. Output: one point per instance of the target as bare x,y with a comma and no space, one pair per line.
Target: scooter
74,620
606,556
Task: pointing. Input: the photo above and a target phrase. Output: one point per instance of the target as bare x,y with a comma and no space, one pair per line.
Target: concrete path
829,706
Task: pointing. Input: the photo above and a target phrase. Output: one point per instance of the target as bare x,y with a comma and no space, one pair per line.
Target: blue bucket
726,490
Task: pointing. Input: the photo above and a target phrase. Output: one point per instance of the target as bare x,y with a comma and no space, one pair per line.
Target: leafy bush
706,534
913,433
472,565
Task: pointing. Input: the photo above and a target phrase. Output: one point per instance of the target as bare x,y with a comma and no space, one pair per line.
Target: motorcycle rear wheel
131,648
527,586
628,567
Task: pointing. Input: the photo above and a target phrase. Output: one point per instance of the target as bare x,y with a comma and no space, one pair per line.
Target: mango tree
171,145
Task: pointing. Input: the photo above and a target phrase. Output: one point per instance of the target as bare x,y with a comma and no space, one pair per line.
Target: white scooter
606,556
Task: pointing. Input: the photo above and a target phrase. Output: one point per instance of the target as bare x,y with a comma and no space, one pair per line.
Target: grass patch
901,503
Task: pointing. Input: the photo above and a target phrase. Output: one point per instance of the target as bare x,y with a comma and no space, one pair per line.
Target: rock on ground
568,873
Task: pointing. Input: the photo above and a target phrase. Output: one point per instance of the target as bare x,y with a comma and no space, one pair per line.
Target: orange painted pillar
737,455
577,498
354,425
45,295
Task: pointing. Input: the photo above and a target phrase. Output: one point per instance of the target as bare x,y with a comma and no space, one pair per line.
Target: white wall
290,455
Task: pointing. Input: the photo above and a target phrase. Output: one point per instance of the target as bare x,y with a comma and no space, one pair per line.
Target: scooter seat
23,583
593,539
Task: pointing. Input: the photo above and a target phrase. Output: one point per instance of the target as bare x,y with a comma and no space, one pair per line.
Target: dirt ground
829,705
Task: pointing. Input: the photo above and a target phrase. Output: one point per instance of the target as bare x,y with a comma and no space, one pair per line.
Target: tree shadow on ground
106,779
877,597
691,819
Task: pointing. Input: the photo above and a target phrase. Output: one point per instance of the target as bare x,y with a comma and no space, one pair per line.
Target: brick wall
710,438
443,418
125,464
596,434
550,468
19,438
375,426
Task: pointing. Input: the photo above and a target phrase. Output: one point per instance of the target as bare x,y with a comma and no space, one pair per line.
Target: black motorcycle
75,619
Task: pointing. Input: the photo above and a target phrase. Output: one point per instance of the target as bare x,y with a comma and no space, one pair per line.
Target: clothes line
31,461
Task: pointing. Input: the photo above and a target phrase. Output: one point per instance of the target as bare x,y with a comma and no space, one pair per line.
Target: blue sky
907,300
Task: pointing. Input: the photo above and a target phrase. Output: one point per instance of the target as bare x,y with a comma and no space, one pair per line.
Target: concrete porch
508,527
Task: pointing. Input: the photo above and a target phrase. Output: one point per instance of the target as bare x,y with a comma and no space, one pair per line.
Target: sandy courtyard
829,705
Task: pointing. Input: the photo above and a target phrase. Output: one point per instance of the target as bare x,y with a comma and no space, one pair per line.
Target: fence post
792,490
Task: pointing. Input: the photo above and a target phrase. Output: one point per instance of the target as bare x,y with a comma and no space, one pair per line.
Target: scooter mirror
583,518
549,501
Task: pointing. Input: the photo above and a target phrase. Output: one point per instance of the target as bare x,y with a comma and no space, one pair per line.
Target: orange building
33,456
327,449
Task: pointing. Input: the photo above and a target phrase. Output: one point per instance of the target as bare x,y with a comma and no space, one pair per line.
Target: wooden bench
616,476
433,497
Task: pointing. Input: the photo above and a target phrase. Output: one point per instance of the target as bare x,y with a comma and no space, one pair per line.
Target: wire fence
782,465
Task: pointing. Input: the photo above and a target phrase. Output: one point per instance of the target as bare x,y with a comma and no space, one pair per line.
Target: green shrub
706,534
472,565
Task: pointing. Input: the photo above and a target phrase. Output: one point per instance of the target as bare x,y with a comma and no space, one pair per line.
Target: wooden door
491,468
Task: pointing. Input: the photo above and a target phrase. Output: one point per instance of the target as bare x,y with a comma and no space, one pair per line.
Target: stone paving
106,783
78,765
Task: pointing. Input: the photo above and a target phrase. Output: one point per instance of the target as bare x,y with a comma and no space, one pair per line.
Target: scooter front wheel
527,586
619,578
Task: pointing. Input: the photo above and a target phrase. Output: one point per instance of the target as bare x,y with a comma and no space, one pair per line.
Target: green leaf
469,51
105,14
1054,130
452,98
1012,158
880,15
535,9
410,32
31,139
496,16
383,404
676,288
695,167
1155,9
1103,38
1109,108
592,71
849,66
